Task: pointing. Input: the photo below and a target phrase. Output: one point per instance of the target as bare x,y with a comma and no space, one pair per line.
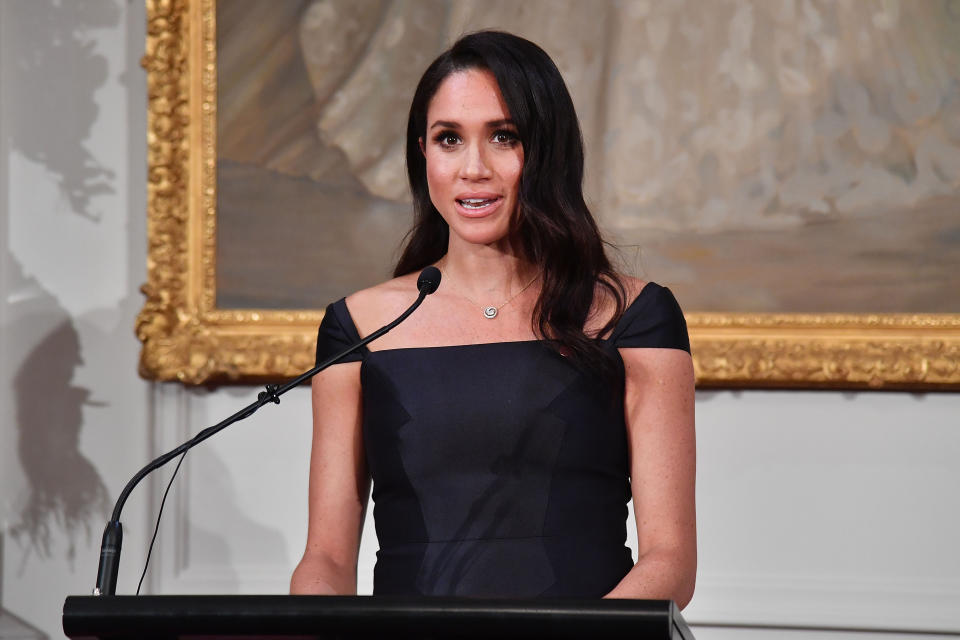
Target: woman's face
474,157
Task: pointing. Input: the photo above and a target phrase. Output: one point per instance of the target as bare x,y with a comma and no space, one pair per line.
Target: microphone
429,280
110,546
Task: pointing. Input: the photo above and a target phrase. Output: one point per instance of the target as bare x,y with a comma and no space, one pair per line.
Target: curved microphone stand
109,566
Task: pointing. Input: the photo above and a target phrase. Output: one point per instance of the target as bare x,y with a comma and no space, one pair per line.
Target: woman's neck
482,271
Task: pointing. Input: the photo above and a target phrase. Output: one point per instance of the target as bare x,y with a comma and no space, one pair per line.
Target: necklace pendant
489,313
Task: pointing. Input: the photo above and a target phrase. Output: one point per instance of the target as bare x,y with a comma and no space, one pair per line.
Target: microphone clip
270,395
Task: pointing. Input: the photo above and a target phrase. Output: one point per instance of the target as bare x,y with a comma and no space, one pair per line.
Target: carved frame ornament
187,338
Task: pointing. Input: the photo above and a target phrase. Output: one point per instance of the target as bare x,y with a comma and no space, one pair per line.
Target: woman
508,421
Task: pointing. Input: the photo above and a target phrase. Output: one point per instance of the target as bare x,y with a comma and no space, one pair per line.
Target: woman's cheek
440,171
437,183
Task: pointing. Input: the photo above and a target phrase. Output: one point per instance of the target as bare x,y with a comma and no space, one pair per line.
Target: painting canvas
789,168
789,156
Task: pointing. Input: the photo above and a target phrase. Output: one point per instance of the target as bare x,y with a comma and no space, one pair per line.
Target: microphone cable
156,529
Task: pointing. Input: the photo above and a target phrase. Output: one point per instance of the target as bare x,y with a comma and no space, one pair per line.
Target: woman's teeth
476,203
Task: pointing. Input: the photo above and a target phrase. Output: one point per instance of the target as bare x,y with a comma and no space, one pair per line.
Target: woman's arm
658,406
339,484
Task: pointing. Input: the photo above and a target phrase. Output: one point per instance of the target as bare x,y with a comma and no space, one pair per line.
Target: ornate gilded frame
187,338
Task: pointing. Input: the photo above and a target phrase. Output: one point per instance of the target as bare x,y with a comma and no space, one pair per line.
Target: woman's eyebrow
492,124
447,124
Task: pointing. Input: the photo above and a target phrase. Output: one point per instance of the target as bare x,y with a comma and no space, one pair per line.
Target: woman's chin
487,230
482,237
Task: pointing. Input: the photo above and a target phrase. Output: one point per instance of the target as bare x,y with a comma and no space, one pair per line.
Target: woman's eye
505,137
447,139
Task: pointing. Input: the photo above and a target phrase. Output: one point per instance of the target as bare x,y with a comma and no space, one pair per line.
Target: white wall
74,417
819,510
829,509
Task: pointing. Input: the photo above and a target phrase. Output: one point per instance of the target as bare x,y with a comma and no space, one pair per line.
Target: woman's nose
475,165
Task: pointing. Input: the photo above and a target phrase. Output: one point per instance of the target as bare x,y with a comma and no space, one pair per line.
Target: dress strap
337,332
653,320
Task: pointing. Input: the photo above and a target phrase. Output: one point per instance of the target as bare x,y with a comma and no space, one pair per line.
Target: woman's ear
423,149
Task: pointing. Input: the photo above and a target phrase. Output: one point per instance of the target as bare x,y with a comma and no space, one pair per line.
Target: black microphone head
429,280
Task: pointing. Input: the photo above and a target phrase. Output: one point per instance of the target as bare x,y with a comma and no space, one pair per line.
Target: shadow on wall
64,487
51,42
53,121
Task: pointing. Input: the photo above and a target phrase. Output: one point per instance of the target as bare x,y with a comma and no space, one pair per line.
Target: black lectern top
343,617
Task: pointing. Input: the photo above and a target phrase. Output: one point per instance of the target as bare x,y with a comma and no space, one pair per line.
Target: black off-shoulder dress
499,469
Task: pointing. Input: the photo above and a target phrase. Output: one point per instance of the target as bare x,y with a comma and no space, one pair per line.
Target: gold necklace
490,311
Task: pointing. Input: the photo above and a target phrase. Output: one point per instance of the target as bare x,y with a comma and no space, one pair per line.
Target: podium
367,617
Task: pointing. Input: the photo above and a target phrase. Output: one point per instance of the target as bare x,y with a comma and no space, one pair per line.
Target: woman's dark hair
556,230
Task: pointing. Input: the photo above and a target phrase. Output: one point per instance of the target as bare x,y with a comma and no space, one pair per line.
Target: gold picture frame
187,338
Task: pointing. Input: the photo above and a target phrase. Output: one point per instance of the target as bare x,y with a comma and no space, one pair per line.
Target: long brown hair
557,231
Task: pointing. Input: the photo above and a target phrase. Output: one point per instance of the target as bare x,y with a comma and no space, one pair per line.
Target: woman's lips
478,206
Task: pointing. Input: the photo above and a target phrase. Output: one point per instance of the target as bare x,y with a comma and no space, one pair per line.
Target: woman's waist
612,536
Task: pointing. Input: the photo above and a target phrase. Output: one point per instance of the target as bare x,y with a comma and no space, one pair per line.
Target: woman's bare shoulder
375,306
632,287
605,304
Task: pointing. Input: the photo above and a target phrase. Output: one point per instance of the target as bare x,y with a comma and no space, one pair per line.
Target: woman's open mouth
477,203
477,207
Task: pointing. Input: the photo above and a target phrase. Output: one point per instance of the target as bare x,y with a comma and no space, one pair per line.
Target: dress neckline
355,334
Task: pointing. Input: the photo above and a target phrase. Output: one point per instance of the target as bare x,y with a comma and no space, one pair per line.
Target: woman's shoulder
638,292
632,286
375,306
605,300
651,318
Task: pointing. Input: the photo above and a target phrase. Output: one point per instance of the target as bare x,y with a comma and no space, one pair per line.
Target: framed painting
798,191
